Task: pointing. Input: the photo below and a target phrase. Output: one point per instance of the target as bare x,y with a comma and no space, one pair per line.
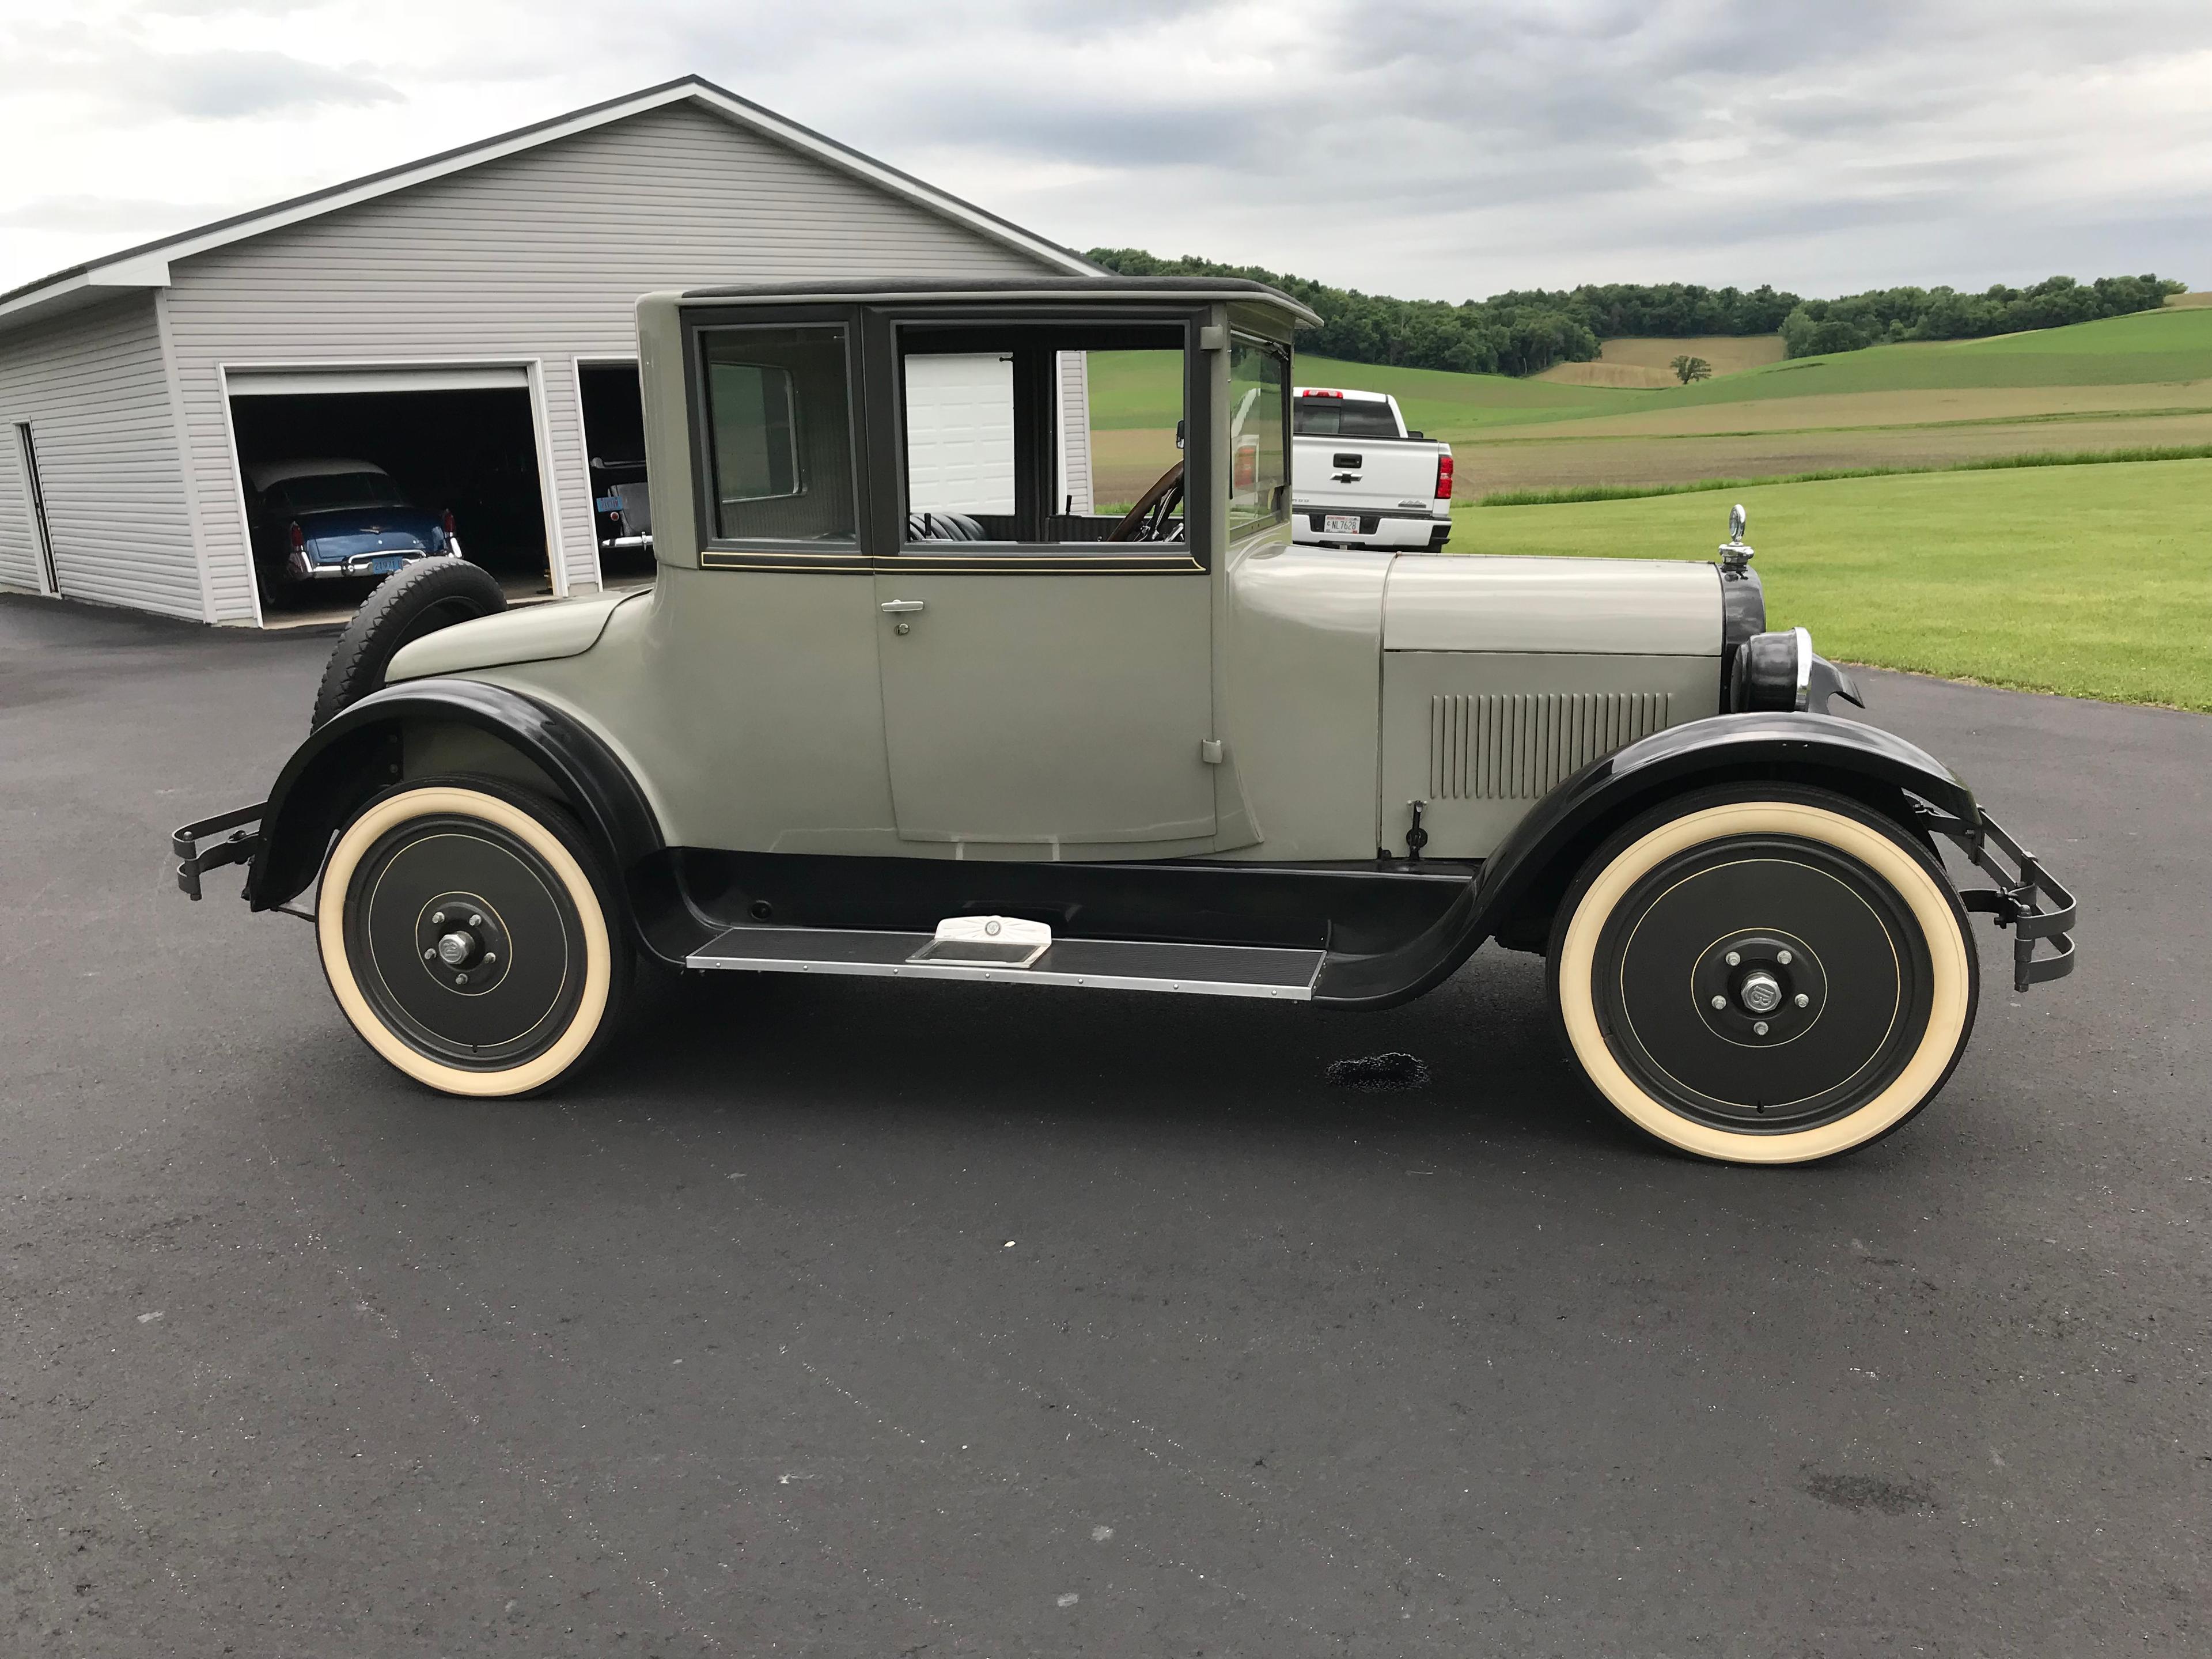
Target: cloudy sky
1415,147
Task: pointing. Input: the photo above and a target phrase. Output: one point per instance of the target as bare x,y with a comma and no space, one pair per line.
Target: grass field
2125,383
1647,361
2092,580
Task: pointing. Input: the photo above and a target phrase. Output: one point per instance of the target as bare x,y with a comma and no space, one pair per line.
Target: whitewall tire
1765,976
467,928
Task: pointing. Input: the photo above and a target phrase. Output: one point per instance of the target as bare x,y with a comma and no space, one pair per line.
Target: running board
1091,964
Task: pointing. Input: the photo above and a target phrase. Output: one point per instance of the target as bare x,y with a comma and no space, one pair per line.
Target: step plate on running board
1093,964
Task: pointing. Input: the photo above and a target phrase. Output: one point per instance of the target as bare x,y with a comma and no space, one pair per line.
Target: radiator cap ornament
1736,558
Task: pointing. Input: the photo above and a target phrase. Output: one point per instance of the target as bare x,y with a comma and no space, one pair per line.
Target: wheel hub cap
1760,988
462,941
1761,992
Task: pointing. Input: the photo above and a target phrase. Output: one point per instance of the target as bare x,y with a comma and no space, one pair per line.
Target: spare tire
418,599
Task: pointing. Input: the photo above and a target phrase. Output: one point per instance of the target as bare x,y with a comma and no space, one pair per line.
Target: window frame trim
887,537
719,552
1286,353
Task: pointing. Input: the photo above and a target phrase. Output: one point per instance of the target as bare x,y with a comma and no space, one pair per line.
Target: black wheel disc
1763,983
465,942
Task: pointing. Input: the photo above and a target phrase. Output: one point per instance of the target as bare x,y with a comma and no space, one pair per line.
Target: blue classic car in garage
332,519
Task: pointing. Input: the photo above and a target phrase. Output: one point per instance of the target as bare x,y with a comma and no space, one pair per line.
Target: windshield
336,492
1344,418
1259,375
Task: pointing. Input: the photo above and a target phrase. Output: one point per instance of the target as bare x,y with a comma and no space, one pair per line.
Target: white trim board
343,382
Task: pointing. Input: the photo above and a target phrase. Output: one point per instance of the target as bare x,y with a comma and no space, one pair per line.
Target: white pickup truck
1359,479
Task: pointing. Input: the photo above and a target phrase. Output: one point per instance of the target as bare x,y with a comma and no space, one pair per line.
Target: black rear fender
1523,882
435,725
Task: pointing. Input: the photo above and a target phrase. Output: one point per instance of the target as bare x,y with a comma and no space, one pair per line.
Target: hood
1604,607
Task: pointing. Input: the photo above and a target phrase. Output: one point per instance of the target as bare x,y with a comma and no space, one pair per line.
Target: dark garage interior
614,438
474,452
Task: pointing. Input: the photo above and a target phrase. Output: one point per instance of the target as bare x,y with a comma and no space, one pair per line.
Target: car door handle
902,607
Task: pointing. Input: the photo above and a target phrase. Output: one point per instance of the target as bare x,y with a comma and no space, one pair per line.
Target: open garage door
614,440
459,442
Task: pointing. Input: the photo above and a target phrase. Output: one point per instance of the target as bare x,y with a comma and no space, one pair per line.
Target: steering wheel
1152,519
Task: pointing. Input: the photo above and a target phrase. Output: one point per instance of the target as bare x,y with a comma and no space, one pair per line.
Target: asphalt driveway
852,1318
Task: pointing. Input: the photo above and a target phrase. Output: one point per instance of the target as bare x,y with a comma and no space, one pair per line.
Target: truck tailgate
1373,473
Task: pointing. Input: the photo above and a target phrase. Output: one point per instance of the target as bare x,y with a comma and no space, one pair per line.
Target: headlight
1779,673
1773,672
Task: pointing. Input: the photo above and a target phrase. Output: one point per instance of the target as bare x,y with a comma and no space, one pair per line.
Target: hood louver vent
1517,746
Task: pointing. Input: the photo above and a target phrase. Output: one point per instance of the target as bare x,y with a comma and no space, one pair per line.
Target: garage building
464,323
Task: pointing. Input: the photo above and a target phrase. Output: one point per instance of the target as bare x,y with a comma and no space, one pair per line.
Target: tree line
1526,332
1884,316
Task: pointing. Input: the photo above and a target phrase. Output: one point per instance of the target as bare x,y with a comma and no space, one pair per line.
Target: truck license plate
1340,524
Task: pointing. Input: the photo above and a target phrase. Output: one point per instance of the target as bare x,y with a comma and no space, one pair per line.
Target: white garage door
960,433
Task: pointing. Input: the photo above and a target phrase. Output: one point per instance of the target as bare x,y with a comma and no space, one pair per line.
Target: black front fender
357,752
1523,882
1538,860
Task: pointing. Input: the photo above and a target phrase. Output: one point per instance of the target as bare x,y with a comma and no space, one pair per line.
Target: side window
779,434
1027,433
1135,424
1258,434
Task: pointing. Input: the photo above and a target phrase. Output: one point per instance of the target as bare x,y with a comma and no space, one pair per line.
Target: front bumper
2024,898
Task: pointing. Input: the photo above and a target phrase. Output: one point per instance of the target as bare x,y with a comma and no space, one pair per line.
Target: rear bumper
1395,527
239,845
2025,898
363,564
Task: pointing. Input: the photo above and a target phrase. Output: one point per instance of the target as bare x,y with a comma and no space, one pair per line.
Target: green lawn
1139,390
1130,390
2154,347
1133,389
2092,580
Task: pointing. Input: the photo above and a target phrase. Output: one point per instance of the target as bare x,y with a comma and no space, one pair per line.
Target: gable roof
147,265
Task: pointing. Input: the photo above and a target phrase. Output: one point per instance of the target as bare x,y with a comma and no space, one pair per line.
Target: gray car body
1253,700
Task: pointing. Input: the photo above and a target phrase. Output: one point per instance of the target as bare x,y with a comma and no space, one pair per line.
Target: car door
1047,683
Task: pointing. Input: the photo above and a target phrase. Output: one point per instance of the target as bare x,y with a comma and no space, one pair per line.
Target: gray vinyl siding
540,256
93,387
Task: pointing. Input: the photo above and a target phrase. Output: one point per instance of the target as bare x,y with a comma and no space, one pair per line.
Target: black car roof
1043,286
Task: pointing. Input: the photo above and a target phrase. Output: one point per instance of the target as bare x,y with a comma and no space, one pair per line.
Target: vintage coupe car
1169,750
329,520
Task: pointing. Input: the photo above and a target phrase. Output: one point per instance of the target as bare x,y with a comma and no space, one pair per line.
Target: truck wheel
420,598
1764,975
466,928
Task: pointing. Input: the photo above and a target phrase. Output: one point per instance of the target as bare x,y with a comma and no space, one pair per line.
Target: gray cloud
102,213
225,85
227,8
1439,147
140,82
